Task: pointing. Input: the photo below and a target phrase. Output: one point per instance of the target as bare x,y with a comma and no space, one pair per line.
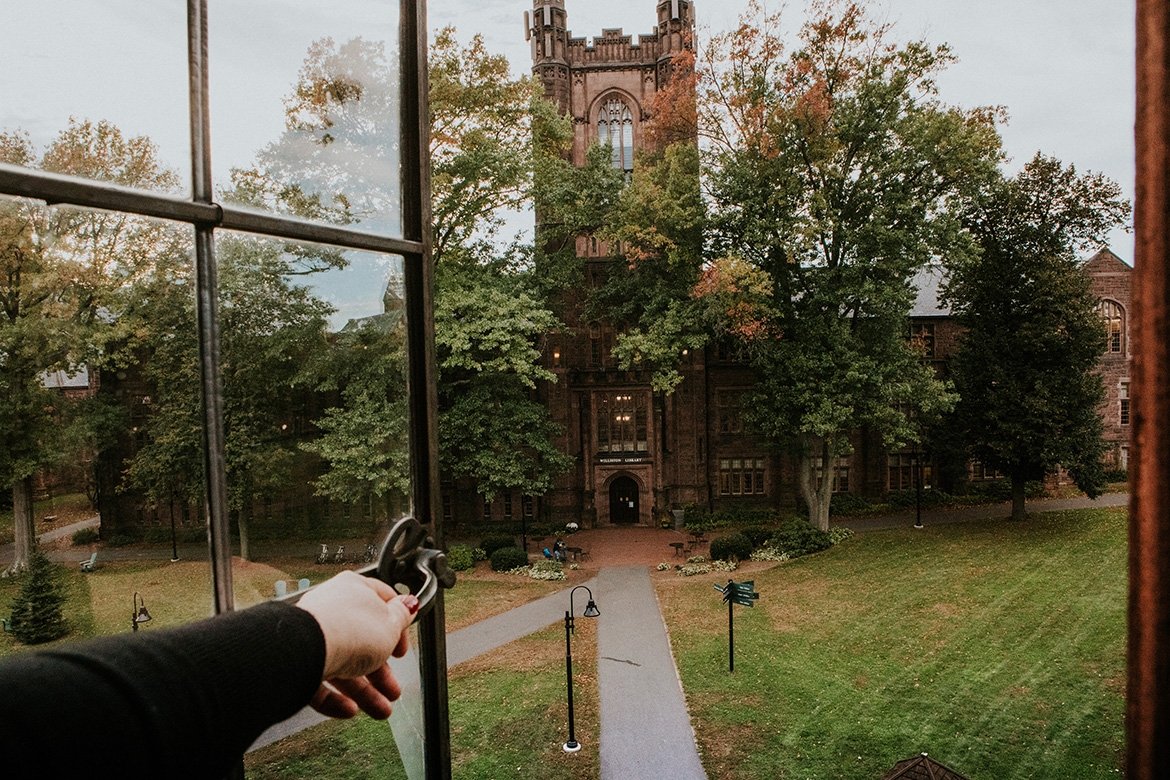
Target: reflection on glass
118,62
305,110
312,341
93,444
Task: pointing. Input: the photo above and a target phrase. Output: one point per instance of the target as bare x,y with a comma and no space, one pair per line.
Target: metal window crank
407,560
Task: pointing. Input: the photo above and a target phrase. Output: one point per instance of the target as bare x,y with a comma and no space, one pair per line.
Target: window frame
205,216
1113,317
741,475
625,122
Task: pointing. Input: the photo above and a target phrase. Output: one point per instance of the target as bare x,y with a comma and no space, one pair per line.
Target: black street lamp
174,544
917,490
138,613
591,610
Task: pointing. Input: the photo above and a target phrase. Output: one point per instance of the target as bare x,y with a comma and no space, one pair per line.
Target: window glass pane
304,108
100,371
315,411
71,64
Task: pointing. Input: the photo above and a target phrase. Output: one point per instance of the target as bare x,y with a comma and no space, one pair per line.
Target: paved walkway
645,727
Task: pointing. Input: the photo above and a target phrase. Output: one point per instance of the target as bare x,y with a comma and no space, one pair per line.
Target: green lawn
997,648
990,646
508,720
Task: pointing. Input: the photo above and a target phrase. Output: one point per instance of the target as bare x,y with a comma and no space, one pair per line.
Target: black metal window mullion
205,216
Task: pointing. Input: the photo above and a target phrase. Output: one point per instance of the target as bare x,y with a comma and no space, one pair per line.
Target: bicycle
323,556
368,555
339,556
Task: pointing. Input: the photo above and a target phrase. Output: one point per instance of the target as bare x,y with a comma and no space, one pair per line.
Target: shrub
460,557
546,570
1116,475
493,542
735,516
36,612
769,553
123,538
798,537
478,554
85,536
904,499
758,534
691,569
735,546
849,504
839,533
508,558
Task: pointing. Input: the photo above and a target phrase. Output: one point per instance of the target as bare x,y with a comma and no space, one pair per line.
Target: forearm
184,702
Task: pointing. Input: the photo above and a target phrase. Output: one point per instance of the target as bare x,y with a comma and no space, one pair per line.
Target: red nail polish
411,602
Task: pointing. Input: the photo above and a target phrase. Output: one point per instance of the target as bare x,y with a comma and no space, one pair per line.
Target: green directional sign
742,593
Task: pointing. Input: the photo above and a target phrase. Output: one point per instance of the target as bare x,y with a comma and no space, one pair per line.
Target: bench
90,563
677,548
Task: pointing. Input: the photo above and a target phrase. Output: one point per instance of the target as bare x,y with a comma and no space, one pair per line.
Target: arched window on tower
615,126
1114,317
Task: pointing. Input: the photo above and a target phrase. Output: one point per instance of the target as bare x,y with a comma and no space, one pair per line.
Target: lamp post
917,490
591,610
138,613
174,544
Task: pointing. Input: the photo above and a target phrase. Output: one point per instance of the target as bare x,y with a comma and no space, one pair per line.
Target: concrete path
645,728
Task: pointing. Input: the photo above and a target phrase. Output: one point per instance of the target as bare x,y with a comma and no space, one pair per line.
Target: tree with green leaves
833,175
483,158
271,327
63,274
1029,395
363,438
493,428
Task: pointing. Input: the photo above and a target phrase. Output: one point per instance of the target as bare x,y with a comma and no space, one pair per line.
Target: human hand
364,621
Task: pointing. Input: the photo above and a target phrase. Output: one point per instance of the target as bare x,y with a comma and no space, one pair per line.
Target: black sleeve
175,703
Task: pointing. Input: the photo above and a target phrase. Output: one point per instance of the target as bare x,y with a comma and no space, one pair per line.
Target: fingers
372,694
363,621
332,703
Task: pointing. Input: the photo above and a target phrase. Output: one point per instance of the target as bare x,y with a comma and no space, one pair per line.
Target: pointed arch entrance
623,501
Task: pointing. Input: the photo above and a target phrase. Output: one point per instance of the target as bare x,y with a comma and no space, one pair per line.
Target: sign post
744,594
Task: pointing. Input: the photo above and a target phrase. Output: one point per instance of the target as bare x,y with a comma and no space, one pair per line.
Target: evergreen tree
36,612
1029,396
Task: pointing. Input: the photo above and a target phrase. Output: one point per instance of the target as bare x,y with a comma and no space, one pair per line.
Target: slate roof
928,283
921,767
64,380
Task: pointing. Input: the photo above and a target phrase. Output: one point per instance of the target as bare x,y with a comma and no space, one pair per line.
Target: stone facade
1112,284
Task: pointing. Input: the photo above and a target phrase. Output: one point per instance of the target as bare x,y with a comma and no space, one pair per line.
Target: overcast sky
1062,68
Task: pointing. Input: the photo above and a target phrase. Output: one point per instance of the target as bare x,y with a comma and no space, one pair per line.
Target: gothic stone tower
637,451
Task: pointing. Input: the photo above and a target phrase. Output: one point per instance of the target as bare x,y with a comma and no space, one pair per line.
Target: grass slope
996,648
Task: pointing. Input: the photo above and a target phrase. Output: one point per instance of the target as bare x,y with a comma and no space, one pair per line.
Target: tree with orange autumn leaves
831,173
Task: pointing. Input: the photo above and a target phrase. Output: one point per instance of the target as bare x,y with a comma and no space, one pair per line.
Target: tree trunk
244,518
24,529
1018,486
816,497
